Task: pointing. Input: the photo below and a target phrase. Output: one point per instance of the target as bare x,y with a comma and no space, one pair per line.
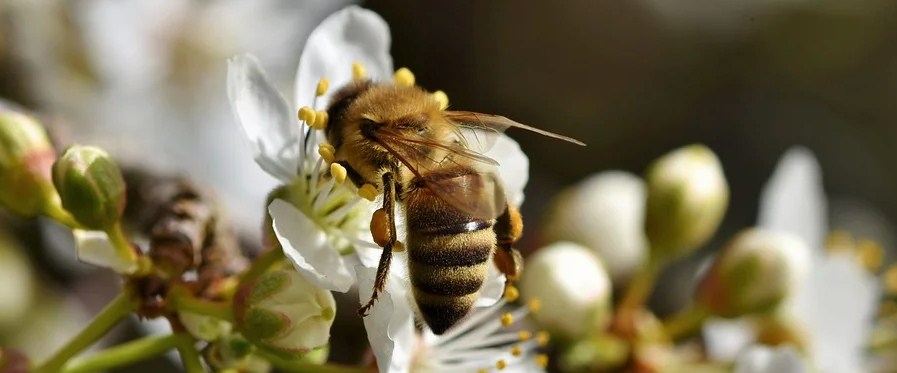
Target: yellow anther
323,85
359,72
307,114
542,338
507,319
327,152
501,364
442,98
338,172
321,119
511,293
516,351
870,255
542,361
890,279
483,371
368,192
398,247
534,305
524,335
839,241
404,77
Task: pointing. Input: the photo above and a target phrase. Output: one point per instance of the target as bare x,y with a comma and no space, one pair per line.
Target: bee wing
481,130
472,187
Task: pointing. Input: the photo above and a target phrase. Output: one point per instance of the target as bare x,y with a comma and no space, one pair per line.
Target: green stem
261,264
685,322
299,366
640,287
120,307
122,245
125,354
54,211
219,310
186,346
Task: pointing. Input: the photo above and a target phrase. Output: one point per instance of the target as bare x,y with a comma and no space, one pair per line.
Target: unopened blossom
26,157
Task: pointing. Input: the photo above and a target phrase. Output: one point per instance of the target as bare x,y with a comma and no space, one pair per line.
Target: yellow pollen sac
380,229
398,247
442,98
339,172
322,87
516,351
368,192
327,152
542,338
307,114
321,119
404,77
542,361
511,293
534,305
359,72
507,319
501,364
870,255
524,335
890,279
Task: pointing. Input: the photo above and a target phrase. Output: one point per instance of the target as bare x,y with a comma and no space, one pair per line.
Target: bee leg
383,228
508,229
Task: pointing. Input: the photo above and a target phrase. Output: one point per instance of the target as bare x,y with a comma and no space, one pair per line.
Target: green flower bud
687,198
26,157
283,313
233,353
753,274
204,327
574,287
91,186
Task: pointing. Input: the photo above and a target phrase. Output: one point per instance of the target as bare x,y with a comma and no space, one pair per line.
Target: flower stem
262,263
636,294
120,307
56,212
122,245
299,366
183,301
125,354
186,346
685,322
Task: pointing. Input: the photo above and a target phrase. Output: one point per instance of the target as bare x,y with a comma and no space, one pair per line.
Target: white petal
727,339
770,360
390,324
307,246
513,167
265,117
838,306
794,200
347,36
95,248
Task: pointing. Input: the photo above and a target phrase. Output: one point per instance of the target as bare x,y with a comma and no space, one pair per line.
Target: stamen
442,99
542,338
404,77
327,152
507,319
524,335
340,213
321,119
307,114
483,370
323,195
339,173
323,85
870,255
359,72
534,305
501,364
368,192
890,279
511,293
542,361
516,351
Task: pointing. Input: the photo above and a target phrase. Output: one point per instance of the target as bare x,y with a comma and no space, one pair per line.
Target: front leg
383,229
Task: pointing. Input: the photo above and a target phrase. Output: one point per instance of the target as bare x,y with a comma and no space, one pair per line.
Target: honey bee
400,140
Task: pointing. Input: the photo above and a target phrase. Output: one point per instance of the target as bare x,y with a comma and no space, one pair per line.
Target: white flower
760,359
836,300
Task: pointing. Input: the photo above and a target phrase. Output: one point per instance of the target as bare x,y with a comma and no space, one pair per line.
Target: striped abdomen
448,253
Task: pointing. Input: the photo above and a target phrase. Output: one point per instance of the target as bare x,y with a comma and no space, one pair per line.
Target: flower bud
91,186
573,287
753,274
26,157
605,213
232,353
204,327
284,313
687,198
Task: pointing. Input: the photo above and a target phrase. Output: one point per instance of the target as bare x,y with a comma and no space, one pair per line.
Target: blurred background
145,79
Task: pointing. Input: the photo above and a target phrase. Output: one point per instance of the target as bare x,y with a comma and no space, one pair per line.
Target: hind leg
508,229
383,228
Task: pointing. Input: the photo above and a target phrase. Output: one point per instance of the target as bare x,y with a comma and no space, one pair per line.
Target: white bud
572,286
687,198
605,213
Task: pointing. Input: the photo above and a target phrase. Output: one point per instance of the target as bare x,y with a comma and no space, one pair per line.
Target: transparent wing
481,130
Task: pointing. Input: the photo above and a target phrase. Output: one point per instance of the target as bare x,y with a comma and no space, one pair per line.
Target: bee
400,140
